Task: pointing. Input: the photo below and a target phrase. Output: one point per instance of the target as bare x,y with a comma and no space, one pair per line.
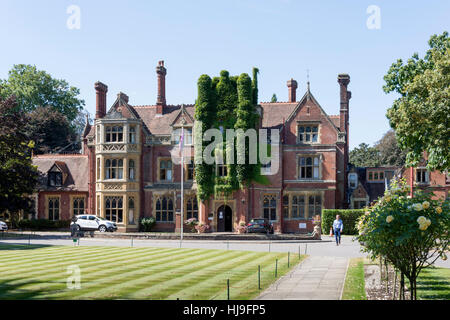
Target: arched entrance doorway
224,219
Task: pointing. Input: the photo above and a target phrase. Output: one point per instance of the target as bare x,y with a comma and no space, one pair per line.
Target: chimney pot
100,108
161,71
292,87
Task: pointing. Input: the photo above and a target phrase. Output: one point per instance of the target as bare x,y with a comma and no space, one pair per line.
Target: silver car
3,226
89,222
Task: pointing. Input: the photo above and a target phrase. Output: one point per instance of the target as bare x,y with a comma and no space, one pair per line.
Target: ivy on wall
226,102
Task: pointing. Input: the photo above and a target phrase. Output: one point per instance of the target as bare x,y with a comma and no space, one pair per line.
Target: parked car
260,225
89,222
3,226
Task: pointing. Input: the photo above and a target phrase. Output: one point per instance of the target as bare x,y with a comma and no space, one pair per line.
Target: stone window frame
186,170
47,206
187,128
305,155
305,124
117,167
132,134
193,198
275,196
161,197
129,168
427,175
306,195
158,173
118,198
109,132
72,204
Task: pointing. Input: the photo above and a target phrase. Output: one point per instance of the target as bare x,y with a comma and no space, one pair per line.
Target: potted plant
190,224
241,228
201,227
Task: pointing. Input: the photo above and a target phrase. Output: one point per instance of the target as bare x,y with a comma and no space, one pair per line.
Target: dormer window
55,179
114,134
352,180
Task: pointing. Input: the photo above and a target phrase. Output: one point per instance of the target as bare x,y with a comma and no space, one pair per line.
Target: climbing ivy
205,110
228,102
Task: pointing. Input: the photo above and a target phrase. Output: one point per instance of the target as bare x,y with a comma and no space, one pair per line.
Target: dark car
262,225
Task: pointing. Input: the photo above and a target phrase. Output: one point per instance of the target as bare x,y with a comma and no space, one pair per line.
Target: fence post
228,289
259,277
131,241
228,245
276,267
269,245
306,247
288,257
29,238
298,252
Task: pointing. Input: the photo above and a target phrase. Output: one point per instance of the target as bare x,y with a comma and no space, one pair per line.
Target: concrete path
316,278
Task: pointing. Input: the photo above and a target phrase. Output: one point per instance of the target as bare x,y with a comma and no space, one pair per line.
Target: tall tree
18,175
51,131
365,156
421,115
33,88
389,150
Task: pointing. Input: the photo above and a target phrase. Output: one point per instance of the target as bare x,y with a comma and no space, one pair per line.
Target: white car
3,226
90,222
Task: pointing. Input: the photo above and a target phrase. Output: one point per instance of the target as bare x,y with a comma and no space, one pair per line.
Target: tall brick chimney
100,102
345,95
161,99
292,87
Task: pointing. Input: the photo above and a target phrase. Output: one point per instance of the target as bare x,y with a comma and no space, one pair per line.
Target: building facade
130,171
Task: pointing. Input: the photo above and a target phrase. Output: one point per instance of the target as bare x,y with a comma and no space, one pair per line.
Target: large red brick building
128,171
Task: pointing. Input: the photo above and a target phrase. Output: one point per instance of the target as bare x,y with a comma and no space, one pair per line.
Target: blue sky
120,42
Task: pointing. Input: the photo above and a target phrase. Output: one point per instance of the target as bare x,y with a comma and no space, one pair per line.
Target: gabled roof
274,114
309,96
75,166
160,124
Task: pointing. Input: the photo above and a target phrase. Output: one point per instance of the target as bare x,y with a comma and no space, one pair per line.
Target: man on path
338,225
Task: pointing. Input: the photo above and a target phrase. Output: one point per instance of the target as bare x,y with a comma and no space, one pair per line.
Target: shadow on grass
430,285
20,246
9,290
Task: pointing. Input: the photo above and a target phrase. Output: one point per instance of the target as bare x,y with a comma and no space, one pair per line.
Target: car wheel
102,229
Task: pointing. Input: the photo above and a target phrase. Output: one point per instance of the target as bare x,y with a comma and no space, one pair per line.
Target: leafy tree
365,156
421,115
50,130
389,150
274,98
18,175
34,88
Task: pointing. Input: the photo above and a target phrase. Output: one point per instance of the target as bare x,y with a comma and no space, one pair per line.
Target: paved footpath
316,278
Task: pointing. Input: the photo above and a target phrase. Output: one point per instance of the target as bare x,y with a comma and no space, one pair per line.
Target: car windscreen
257,221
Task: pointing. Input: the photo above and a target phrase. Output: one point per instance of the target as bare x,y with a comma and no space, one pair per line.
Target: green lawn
434,284
40,272
354,281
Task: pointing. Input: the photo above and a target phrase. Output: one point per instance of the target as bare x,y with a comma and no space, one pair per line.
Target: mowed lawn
42,272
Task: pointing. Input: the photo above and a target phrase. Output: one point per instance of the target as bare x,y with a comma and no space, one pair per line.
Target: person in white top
338,225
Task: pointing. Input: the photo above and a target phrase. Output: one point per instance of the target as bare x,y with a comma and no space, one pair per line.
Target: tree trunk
402,286
395,285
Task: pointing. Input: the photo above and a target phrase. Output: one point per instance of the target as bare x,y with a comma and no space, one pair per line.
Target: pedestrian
338,225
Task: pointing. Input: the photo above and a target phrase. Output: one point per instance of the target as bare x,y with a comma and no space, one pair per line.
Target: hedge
43,224
349,218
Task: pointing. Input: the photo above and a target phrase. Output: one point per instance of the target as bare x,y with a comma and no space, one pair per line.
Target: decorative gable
183,118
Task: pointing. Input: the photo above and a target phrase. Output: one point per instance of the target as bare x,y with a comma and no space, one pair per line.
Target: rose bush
410,232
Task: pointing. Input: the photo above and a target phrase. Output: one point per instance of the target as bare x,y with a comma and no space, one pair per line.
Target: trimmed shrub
43,224
146,224
349,218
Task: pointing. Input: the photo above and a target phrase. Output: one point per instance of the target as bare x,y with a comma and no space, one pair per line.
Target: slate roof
74,166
